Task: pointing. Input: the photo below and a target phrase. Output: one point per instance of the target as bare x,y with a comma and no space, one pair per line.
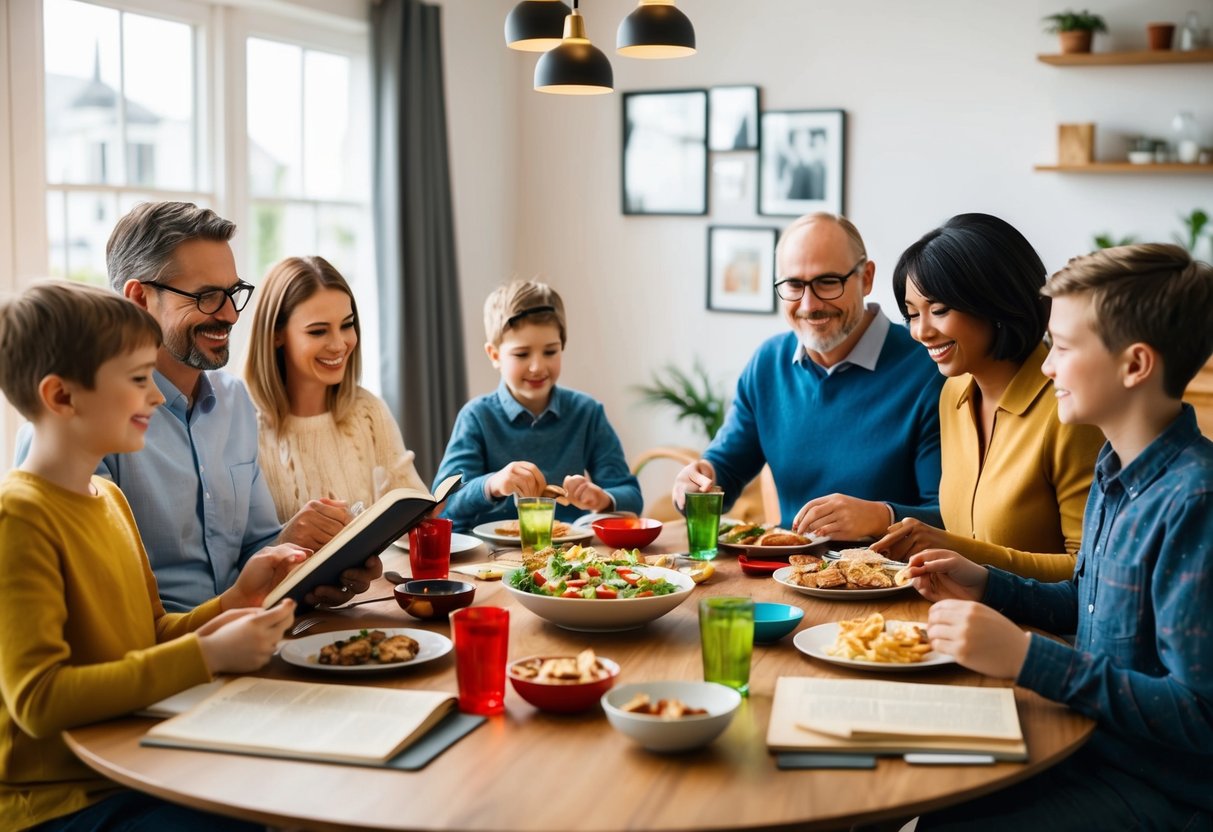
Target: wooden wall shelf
1145,56
1126,167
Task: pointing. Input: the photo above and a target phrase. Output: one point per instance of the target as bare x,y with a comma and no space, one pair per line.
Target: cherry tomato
603,591
571,593
538,578
577,582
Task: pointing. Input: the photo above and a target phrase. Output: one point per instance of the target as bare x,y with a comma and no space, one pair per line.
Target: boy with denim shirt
83,634
1131,326
529,432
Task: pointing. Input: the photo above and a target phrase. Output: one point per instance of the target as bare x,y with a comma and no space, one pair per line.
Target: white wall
947,111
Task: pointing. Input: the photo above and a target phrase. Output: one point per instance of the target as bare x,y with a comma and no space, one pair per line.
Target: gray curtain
422,362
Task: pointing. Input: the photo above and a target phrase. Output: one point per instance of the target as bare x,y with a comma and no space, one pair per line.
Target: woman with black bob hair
1015,480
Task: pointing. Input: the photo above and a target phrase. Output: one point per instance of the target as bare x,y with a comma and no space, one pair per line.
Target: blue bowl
774,621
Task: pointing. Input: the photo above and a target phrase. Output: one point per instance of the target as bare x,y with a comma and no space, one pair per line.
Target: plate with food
505,532
863,555
758,541
365,651
840,579
579,589
460,543
872,643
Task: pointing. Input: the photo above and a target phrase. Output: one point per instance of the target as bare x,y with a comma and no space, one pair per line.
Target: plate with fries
872,643
784,576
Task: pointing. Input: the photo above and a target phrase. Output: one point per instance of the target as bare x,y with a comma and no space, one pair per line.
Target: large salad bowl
606,615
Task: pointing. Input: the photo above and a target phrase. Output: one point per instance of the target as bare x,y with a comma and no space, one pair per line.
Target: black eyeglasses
825,287
212,300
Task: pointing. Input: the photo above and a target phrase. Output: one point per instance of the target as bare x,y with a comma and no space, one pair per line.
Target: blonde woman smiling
320,433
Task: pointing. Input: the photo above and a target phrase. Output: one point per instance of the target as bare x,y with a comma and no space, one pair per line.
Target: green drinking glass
726,631
703,523
535,516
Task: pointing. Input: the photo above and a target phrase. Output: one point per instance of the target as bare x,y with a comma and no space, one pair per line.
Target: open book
845,715
306,720
368,534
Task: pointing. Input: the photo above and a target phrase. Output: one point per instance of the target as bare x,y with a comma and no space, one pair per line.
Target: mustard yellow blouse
1020,508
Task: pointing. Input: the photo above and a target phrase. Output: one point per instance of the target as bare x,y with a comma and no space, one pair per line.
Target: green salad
578,572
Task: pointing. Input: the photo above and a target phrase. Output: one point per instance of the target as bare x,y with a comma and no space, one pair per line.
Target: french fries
866,639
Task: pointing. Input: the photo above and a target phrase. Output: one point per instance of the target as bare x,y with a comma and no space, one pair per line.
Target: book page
308,719
864,708
181,702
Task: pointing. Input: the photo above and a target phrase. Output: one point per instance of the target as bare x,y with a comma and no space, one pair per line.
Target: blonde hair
289,283
1150,293
842,222
522,302
65,329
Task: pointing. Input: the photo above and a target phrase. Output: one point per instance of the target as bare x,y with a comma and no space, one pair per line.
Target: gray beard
185,349
824,345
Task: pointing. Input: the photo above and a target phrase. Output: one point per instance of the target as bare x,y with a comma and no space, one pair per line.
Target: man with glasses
844,408
195,489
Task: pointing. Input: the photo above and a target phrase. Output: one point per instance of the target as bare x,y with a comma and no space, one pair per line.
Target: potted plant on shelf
1076,29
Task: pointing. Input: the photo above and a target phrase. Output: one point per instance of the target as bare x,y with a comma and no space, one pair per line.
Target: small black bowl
434,597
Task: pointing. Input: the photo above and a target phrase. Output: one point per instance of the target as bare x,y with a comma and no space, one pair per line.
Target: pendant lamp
656,29
535,25
576,66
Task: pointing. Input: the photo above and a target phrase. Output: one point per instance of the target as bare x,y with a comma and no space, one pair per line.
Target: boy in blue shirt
1131,326
529,433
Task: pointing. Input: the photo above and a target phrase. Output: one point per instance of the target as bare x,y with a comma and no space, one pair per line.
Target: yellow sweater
1021,508
83,638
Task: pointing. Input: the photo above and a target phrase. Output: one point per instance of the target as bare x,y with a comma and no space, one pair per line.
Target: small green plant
1194,228
1072,21
1106,240
692,396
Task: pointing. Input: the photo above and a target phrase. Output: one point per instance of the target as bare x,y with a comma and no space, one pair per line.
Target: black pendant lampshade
656,29
576,66
535,25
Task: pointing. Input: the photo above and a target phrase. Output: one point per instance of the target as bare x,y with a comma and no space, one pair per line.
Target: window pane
330,157
279,230
345,241
159,78
275,118
56,233
90,219
82,82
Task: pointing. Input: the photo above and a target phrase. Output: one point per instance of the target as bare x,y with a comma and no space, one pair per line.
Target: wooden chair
757,503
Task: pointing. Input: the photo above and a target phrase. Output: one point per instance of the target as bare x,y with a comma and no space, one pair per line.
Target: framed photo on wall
665,152
741,268
733,118
802,162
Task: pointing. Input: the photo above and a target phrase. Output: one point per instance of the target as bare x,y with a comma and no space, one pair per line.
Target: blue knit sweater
572,436
872,434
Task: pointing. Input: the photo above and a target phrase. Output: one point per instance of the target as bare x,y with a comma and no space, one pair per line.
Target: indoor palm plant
1075,29
692,396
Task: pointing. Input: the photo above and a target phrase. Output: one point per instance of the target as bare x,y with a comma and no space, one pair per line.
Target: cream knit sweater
360,460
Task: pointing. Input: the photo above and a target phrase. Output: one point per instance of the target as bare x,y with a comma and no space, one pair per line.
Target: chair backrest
757,503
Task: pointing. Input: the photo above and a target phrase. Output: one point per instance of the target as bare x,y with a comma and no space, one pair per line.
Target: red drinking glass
430,548
482,638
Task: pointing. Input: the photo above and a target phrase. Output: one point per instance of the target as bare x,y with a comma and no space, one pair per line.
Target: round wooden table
528,770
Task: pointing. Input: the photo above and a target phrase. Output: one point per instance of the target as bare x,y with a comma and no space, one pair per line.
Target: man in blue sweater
844,408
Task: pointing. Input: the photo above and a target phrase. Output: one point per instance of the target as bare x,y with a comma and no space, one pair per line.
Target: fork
305,624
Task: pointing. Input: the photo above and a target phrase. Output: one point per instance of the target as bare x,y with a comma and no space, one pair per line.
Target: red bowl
627,532
563,698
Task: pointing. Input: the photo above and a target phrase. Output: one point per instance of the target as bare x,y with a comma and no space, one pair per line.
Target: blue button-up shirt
1142,660
571,436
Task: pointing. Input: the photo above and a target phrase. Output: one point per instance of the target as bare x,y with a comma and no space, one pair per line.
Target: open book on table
306,720
368,534
844,715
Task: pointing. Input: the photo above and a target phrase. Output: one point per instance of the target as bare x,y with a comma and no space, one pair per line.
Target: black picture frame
733,118
741,269
802,162
664,165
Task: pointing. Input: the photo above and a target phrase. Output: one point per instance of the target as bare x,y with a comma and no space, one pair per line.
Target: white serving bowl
606,615
1141,157
683,734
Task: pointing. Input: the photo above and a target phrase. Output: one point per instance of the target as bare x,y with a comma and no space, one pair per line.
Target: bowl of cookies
671,716
563,684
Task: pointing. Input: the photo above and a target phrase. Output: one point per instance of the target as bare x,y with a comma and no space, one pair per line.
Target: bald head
831,229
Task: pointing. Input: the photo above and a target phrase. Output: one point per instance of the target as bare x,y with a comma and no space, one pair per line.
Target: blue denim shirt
571,436
195,489
1142,660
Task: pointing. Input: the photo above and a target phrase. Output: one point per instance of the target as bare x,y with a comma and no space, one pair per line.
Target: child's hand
582,493
940,574
698,476
264,571
521,478
241,641
980,638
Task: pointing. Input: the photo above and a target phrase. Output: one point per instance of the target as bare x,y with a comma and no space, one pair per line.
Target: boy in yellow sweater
83,635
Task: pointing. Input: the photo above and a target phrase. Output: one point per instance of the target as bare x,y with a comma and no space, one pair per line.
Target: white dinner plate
815,640
751,550
304,652
487,531
782,576
460,543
